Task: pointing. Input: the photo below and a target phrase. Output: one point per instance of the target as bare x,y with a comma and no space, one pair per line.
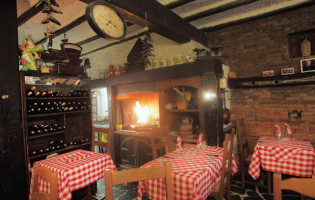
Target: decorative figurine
30,53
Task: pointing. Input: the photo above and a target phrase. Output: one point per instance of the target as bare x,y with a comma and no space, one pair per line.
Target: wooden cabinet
56,115
175,120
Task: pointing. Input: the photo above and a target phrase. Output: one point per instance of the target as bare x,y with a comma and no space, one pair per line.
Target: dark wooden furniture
224,185
74,123
305,186
48,176
138,174
171,118
245,157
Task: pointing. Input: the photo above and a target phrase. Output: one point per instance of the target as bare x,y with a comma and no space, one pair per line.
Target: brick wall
252,47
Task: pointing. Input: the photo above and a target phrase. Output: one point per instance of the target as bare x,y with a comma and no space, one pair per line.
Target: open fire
140,110
146,116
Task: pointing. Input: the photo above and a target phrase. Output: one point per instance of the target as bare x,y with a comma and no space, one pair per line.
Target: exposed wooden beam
34,10
218,9
161,20
113,43
66,28
178,3
263,15
91,39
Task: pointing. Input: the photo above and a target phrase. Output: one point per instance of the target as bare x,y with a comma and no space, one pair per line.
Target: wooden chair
52,155
224,185
305,186
137,174
91,189
99,142
164,143
245,157
47,175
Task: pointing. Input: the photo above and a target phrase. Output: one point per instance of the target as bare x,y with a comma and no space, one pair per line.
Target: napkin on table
179,143
278,132
289,130
199,142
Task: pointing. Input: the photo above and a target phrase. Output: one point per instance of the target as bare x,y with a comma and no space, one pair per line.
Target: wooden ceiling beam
263,15
66,28
218,9
178,3
28,14
160,19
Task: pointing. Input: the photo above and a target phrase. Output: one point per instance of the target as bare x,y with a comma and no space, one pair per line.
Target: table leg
277,186
269,182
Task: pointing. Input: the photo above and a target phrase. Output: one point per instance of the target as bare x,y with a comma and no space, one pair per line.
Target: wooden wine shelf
56,98
44,135
58,113
59,150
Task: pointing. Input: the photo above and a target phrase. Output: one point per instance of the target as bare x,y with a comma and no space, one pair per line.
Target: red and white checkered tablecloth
76,170
195,172
293,157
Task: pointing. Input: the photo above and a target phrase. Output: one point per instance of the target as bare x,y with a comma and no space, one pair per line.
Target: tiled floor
129,192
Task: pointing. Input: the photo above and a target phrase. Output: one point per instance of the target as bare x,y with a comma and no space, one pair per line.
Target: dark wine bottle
37,94
44,94
31,92
32,130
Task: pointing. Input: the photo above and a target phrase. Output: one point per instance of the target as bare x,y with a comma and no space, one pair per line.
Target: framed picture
307,65
287,71
268,73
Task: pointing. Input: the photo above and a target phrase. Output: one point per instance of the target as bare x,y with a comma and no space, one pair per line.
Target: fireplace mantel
197,68
274,81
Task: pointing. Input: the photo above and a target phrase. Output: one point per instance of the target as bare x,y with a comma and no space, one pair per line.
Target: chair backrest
163,143
48,176
241,140
138,174
227,158
99,142
304,186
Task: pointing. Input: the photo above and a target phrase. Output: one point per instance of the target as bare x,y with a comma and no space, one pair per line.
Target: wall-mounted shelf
295,40
274,81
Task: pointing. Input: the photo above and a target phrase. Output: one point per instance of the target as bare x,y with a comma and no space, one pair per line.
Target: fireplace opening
138,110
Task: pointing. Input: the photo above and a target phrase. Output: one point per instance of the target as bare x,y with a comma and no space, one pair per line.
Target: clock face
105,20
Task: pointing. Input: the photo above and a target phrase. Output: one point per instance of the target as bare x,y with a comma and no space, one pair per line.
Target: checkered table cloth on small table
195,172
292,156
76,170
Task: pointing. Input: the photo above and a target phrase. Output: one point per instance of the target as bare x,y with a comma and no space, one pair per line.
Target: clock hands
110,22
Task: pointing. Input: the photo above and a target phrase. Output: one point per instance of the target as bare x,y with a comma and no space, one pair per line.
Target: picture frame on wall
287,71
268,73
307,65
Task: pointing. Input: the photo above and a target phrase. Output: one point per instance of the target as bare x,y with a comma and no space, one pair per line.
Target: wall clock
105,20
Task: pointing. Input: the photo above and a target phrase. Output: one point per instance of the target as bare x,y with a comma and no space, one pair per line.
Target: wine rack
56,114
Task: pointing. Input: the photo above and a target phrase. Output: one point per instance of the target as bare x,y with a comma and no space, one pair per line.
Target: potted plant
183,97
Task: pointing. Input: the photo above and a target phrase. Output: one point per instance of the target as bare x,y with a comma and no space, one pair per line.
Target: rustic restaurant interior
95,92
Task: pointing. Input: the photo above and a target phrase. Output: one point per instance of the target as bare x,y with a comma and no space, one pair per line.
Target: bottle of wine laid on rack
31,92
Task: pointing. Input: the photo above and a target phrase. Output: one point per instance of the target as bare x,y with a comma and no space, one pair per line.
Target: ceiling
194,16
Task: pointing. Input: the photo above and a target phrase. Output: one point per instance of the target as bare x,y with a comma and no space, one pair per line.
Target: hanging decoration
31,54
48,9
147,46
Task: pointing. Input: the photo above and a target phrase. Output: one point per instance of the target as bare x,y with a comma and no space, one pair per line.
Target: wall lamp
209,95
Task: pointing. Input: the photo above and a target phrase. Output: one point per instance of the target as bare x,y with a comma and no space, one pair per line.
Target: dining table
76,169
287,156
195,173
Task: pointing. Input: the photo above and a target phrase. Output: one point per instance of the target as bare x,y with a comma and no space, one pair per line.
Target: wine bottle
44,94
37,94
32,130
31,92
